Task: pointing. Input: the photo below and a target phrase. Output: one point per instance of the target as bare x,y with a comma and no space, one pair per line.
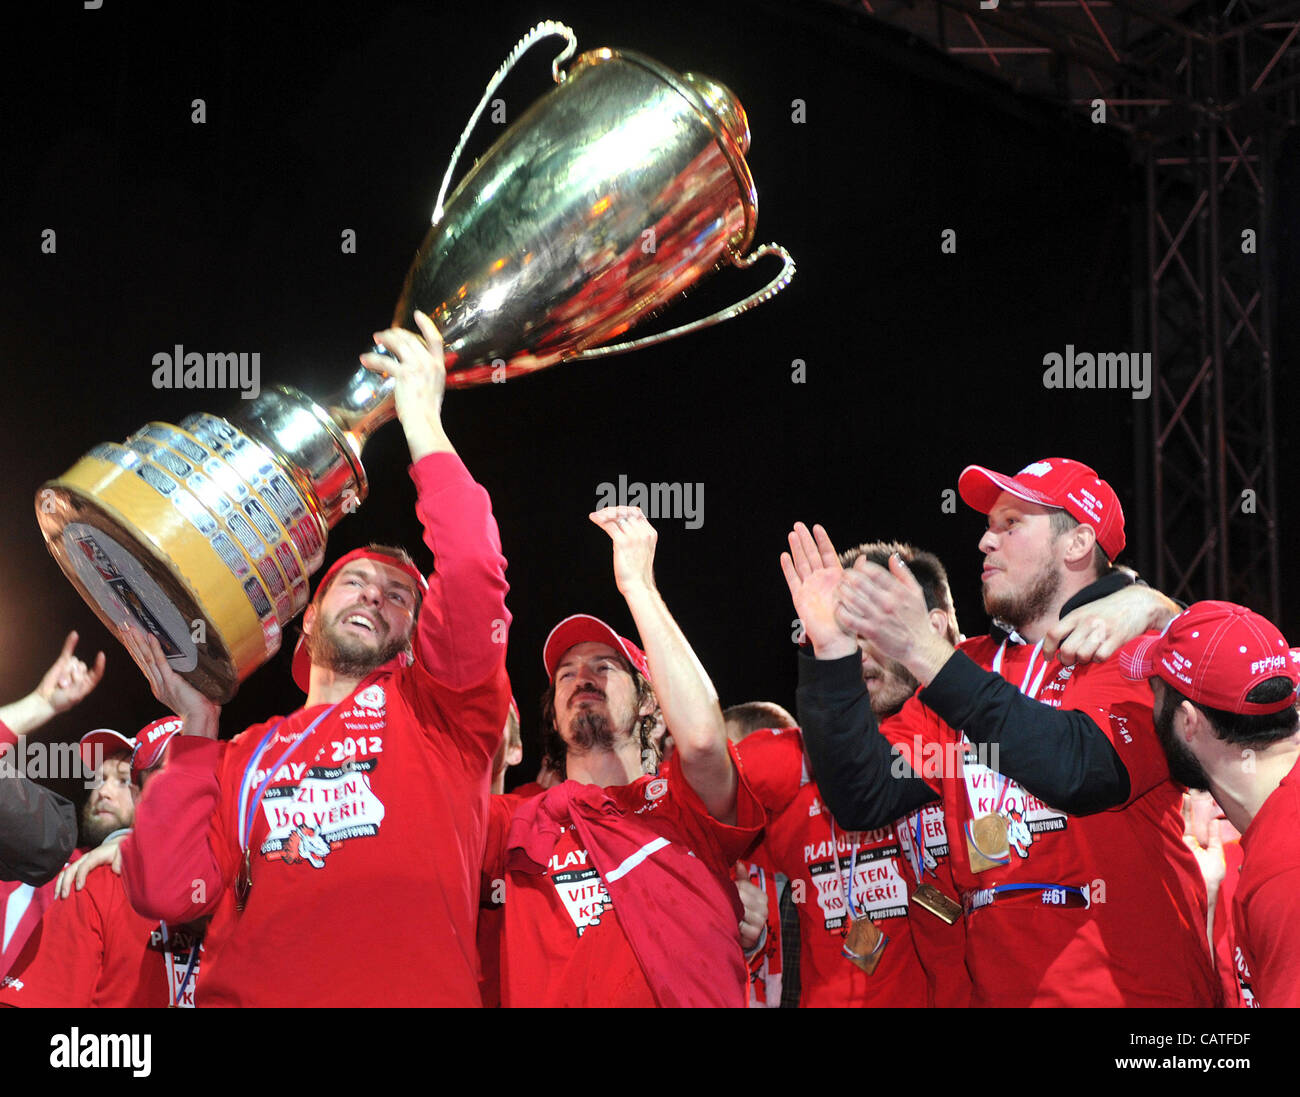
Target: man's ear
939,622
1189,722
308,618
1082,539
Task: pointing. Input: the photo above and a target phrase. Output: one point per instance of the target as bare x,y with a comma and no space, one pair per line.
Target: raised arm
38,827
169,867
857,773
65,684
682,686
460,635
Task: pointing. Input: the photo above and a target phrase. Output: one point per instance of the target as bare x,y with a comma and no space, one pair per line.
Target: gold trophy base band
100,494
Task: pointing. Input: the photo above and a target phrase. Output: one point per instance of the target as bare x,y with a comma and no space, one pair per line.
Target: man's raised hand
419,376
69,680
198,712
634,546
812,572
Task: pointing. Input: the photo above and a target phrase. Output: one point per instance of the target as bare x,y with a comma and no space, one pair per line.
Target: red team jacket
642,913
1140,939
366,848
805,844
1266,907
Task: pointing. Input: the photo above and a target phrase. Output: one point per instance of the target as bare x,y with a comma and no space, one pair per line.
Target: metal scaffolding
1204,93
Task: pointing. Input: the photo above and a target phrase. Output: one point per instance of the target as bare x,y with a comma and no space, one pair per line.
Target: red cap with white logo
1215,653
1057,482
583,627
151,741
108,742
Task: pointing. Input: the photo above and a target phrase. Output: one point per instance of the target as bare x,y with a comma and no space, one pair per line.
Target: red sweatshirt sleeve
174,866
7,737
461,632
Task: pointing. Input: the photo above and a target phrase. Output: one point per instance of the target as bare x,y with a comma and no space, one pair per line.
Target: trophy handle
775,286
542,30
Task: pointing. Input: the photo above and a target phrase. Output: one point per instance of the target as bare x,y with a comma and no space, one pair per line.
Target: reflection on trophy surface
609,197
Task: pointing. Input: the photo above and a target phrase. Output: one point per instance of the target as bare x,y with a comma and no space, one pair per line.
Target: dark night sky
225,236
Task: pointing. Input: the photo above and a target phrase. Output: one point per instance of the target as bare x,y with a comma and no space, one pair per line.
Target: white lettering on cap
1087,504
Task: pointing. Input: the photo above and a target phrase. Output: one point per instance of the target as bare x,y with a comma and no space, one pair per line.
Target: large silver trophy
612,194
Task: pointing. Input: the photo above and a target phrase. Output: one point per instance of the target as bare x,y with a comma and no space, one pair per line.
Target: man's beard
95,828
899,685
1183,764
347,656
591,729
1021,609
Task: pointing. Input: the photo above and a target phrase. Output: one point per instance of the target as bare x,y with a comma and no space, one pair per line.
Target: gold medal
864,943
986,842
928,897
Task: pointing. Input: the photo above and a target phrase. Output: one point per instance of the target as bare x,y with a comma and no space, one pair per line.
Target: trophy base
194,533
123,577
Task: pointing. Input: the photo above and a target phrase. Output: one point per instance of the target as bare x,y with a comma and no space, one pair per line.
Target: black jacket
1060,756
38,830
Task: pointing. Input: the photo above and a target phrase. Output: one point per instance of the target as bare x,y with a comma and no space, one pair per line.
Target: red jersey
563,943
365,848
1110,908
91,950
1268,900
824,863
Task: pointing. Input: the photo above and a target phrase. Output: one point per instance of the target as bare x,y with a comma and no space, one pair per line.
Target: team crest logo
372,697
304,844
1019,837
327,808
656,788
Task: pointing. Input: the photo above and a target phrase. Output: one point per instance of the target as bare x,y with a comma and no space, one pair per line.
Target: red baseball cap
301,660
1215,653
1053,482
108,741
151,741
581,628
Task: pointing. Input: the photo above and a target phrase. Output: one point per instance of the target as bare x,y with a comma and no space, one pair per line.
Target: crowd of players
997,821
